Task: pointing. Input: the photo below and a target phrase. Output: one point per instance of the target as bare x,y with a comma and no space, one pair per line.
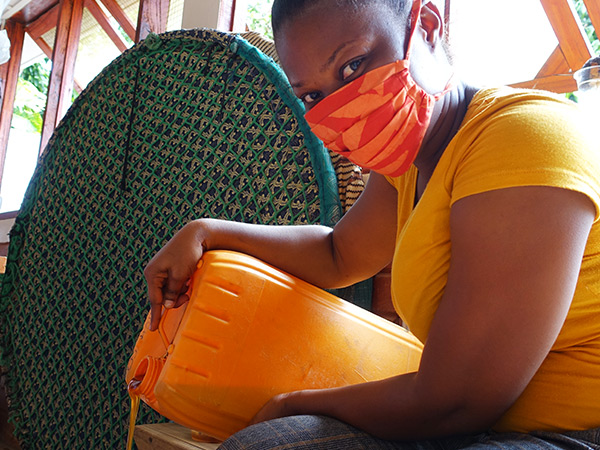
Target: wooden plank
119,15
555,83
568,29
168,436
152,18
593,9
556,64
10,75
2,264
44,23
60,87
104,22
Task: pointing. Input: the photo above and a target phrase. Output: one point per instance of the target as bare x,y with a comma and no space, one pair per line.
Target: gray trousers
325,433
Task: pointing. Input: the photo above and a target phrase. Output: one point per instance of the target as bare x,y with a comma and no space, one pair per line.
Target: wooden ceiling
33,10
40,16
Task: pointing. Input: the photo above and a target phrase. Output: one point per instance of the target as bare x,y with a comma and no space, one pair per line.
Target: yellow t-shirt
510,138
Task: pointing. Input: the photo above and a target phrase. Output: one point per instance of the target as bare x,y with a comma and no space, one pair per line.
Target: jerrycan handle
161,330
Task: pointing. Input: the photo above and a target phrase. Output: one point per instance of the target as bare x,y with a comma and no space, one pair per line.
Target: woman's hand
169,272
275,408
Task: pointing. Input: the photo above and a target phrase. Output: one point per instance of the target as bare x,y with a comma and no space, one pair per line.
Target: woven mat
187,124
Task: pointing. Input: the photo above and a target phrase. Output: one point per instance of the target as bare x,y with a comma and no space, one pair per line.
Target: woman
487,201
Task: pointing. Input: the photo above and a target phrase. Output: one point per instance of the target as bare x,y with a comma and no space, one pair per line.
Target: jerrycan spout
145,377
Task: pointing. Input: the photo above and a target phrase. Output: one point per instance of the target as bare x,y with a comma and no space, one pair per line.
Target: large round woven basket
184,125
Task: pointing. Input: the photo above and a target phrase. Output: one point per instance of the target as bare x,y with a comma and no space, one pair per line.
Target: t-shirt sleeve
539,142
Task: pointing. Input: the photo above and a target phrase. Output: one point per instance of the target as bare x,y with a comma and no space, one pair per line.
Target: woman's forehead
326,15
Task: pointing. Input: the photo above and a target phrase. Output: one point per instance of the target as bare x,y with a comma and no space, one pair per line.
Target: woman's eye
349,69
311,97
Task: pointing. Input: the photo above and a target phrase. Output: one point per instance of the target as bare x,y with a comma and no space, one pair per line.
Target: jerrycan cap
146,375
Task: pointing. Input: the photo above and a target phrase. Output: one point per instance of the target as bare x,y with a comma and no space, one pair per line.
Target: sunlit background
494,43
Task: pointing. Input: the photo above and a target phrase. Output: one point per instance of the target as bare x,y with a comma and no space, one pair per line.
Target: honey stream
135,406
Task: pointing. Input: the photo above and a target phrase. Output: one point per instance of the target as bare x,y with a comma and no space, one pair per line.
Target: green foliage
125,36
30,100
29,107
38,74
572,96
259,17
587,25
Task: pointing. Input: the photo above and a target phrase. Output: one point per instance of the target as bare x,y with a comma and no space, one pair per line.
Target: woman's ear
432,23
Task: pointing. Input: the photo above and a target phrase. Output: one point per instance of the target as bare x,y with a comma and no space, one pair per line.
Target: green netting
185,125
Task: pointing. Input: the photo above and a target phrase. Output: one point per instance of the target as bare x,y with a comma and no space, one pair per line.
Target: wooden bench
168,436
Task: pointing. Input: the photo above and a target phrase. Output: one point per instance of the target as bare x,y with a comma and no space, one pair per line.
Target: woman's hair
284,10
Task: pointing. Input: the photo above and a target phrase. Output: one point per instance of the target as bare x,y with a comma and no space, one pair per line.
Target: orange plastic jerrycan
250,332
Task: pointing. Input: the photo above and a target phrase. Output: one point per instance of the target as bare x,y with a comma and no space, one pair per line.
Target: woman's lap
324,433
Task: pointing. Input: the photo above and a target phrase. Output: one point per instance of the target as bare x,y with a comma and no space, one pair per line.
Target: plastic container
250,332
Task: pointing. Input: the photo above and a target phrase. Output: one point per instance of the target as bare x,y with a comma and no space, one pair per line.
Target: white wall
200,13
5,226
205,14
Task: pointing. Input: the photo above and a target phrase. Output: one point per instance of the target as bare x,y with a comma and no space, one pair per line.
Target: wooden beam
44,23
119,15
568,29
60,87
555,83
556,64
43,45
103,21
9,72
152,18
593,9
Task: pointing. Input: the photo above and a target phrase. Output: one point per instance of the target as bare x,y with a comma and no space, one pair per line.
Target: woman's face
328,46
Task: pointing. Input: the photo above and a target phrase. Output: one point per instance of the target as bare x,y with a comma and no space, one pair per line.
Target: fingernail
169,303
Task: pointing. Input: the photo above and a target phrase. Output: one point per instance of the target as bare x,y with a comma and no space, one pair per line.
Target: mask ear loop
415,12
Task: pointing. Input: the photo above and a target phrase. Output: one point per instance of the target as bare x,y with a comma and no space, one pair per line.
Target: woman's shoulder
506,96
517,137
528,121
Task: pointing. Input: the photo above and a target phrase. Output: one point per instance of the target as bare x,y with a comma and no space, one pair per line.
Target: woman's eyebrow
329,62
335,53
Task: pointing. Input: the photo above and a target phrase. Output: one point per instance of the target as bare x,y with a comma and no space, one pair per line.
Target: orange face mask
377,121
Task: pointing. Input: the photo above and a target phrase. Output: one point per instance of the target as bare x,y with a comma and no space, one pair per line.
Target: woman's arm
516,256
322,256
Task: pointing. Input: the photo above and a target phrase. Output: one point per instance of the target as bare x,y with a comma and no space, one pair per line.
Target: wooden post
232,15
60,87
152,18
9,72
226,15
